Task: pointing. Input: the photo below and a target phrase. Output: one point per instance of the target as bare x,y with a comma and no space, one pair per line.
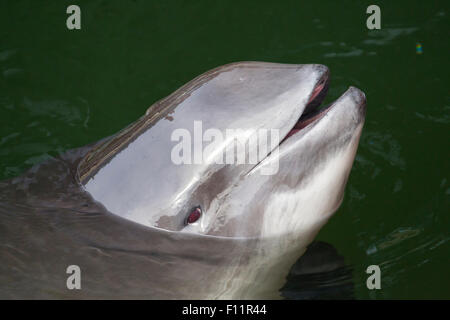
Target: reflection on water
393,238
321,273
384,145
386,35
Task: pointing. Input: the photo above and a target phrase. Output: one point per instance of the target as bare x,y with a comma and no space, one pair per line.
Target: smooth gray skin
248,96
117,209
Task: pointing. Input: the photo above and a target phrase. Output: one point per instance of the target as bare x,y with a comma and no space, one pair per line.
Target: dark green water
62,89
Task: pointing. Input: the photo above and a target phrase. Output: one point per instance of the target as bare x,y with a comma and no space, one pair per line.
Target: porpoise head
241,151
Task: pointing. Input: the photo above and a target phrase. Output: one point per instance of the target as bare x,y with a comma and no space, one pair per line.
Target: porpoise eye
194,215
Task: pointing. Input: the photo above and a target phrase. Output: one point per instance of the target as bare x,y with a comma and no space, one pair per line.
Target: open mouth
312,112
